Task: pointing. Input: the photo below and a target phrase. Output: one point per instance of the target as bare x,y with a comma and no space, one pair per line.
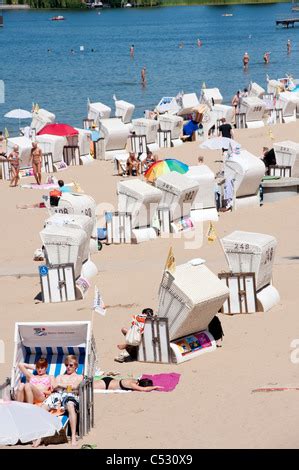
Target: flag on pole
6,133
203,86
170,262
36,108
98,304
270,133
211,234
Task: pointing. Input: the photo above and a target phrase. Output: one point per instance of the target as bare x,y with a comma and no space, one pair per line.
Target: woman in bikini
38,386
14,159
142,385
36,157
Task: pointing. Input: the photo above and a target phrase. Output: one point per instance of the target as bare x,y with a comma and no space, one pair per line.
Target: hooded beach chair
55,341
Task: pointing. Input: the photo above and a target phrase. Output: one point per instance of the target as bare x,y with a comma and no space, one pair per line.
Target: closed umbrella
24,422
63,130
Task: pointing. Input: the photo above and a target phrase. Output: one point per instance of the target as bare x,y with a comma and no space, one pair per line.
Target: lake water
61,81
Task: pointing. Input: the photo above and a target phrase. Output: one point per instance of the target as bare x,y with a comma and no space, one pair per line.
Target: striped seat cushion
55,357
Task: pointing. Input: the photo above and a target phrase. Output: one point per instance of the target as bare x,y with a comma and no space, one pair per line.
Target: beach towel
45,186
167,381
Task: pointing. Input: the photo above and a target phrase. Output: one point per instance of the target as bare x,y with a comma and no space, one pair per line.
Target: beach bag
133,336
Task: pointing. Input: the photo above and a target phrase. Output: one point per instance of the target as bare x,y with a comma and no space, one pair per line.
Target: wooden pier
287,21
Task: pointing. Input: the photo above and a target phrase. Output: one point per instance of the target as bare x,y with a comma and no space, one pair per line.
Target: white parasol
24,422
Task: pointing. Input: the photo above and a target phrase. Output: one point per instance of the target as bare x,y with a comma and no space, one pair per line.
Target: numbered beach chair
54,341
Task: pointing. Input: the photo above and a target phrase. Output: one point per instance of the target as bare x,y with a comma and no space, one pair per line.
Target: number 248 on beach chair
55,341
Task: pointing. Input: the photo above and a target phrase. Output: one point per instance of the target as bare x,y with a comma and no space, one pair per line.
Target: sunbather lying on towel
142,385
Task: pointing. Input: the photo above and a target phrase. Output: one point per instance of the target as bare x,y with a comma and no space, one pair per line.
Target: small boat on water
57,18
227,14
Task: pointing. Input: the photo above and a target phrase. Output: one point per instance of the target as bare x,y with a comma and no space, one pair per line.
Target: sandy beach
213,405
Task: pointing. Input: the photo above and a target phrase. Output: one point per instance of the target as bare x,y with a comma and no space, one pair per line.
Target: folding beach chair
54,341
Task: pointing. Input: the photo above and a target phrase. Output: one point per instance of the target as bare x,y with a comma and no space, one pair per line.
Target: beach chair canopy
54,341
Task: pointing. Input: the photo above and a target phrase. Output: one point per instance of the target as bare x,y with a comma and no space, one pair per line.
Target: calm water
61,82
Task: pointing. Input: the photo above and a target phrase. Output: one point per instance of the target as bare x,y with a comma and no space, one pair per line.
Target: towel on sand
167,381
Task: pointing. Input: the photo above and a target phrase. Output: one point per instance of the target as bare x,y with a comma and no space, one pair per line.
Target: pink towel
167,381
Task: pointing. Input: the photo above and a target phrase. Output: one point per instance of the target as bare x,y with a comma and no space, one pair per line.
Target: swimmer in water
181,45
245,60
132,50
289,46
266,57
143,76
199,42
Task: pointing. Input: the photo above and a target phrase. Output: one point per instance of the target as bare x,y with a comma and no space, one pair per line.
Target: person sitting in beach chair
133,165
141,385
66,395
39,384
148,161
130,352
78,350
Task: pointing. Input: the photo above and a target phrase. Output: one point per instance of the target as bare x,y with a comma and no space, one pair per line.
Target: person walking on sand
14,159
143,76
36,158
246,59
289,46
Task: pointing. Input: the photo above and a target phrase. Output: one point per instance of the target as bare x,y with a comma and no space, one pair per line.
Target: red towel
167,381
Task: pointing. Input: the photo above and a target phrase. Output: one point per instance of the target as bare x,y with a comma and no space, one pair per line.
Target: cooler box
140,199
190,299
179,193
251,252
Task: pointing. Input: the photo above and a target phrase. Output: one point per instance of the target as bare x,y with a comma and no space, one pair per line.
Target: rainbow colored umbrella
161,167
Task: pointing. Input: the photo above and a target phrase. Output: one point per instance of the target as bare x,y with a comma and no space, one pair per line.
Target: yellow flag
36,108
170,262
211,234
6,133
271,134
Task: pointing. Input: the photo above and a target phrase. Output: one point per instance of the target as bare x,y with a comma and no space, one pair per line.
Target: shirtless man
143,76
245,60
36,157
66,391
